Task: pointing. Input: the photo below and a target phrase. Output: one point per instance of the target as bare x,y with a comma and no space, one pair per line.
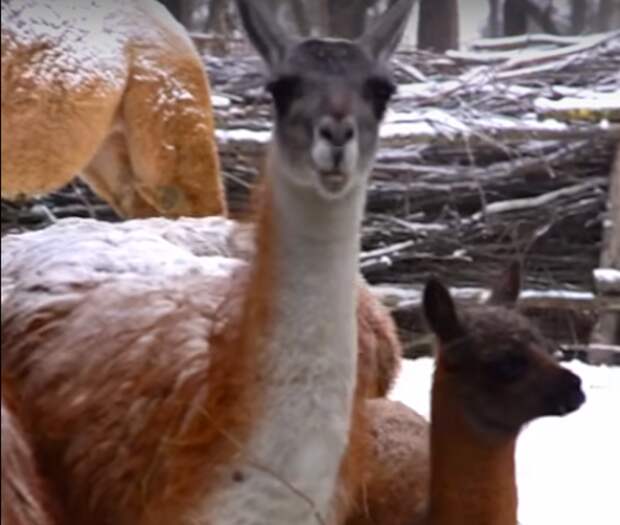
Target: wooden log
593,354
439,128
585,44
607,281
512,43
591,108
402,297
607,330
564,316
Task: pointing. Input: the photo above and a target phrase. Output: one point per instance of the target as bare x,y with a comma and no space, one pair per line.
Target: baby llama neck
472,475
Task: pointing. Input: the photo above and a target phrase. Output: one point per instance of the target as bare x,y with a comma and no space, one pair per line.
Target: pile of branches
497,152
476,164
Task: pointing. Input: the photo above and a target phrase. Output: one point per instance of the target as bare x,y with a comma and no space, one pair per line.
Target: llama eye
284,91
379,91
509,368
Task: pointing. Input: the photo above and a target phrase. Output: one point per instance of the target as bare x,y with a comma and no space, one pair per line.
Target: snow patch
74,44
595,101
242,135
568,469
557,294
607,275
219,101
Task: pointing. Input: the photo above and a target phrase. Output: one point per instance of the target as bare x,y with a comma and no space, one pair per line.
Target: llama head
329,97
498,363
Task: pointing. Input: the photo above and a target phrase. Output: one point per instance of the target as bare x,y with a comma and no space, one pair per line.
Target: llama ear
385,34
263,31
506,290
440,312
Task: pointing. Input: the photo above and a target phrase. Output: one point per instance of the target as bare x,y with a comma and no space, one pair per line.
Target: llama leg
109,174
169,129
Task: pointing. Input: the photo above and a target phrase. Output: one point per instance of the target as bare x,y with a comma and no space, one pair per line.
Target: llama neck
472,476
307,353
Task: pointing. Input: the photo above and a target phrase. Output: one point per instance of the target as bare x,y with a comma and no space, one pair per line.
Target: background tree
515,17
180,9
217,14
517,13
494,21
347,19
438,26
605,14
578,15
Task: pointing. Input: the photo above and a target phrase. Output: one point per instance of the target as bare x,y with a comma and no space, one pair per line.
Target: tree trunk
515,17
578,14
180,9
541,12
346,19
301,17
494,19
216,19
174,6
607,330
438,26
605,15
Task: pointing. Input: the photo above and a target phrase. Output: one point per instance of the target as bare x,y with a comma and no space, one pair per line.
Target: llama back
48,51
115,92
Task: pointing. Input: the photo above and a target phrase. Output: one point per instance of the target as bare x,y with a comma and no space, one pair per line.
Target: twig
521,41
381,252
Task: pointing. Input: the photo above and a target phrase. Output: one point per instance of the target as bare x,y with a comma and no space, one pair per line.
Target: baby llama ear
506,290
440,312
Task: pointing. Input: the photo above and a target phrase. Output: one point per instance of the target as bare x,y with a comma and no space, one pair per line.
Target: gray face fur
329,97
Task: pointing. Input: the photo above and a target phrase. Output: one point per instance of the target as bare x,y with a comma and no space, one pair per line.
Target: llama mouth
568,404
333,182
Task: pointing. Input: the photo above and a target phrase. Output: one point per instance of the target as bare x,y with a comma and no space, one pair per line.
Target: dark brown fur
26,499
493,374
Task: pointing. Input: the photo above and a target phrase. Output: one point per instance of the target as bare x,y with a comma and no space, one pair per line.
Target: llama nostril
567,395
326,133
336,132
574,380
575,396
349,132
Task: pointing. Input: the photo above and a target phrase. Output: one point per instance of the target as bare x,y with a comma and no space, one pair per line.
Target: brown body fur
25,497
493,375
393,486
115,373
380,349
137,125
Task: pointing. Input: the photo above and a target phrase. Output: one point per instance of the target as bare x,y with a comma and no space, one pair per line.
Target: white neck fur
308,365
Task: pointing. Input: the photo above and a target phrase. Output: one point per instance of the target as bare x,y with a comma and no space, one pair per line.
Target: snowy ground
568,469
